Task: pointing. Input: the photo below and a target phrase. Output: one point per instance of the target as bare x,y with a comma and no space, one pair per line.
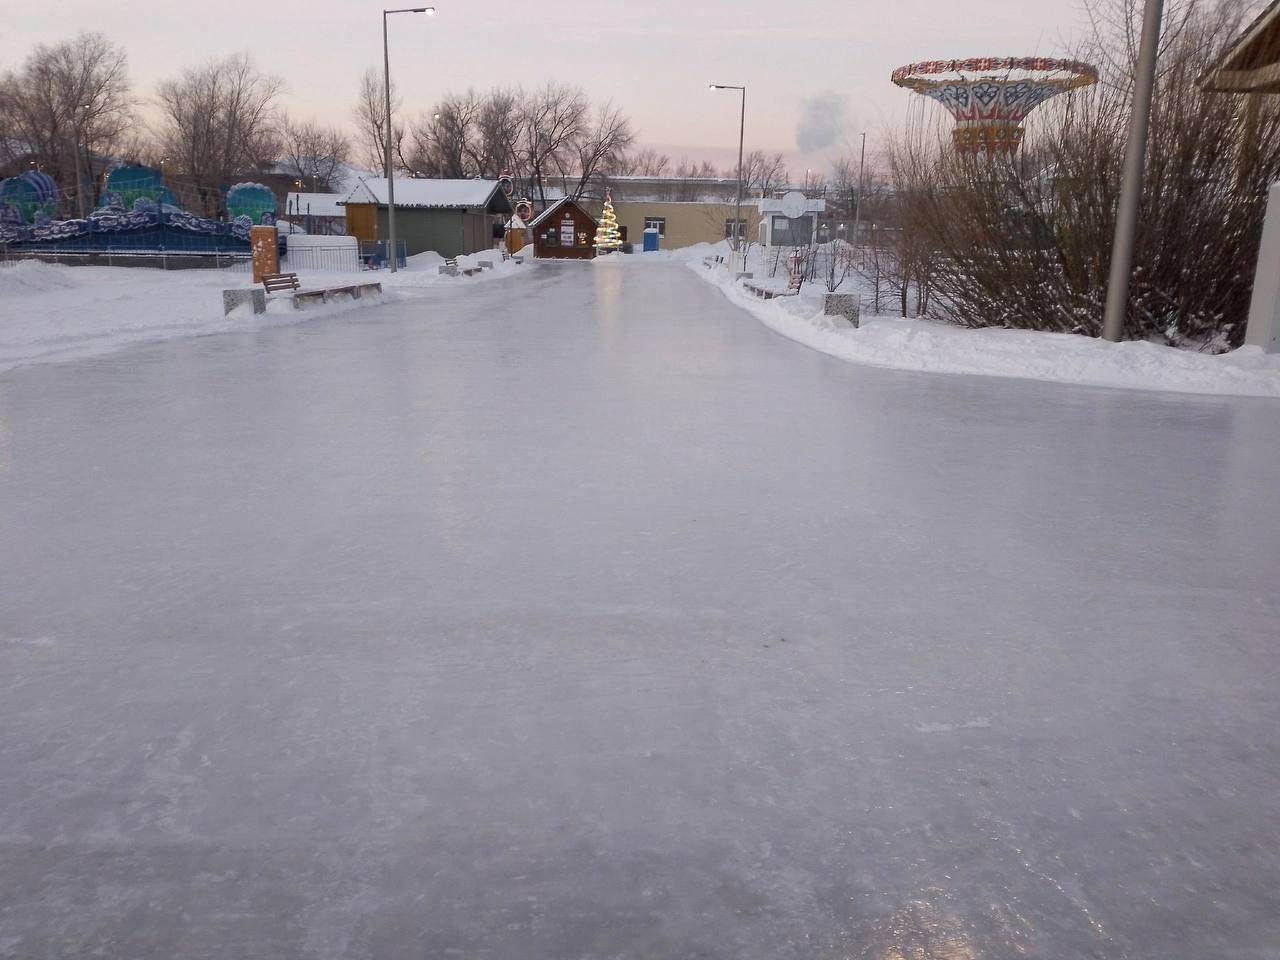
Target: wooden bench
275,282
231,299
764,293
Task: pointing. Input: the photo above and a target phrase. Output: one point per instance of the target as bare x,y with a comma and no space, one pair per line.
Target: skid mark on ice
27,641
977,723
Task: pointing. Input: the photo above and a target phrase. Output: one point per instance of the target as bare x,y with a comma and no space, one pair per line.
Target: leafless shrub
1024,240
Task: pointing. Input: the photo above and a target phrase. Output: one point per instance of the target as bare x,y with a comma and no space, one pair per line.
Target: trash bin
651,240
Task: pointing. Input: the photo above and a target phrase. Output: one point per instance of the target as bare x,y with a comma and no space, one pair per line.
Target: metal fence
373,253
163,259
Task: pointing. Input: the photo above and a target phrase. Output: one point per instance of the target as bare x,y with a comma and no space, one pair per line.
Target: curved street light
391,179
742,129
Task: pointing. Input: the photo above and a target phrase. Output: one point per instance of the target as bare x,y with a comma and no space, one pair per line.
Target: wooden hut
451,217
564,231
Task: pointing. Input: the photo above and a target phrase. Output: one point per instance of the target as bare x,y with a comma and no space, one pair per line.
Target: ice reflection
932,927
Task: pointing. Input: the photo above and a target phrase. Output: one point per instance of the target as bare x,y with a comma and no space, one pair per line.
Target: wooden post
266,252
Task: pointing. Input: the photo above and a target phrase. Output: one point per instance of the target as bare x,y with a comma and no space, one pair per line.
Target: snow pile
52,312
935,347
32,276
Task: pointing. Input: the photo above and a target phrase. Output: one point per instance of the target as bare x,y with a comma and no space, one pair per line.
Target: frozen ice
582,616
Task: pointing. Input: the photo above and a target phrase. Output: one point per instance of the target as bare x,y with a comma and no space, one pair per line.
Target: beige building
680,224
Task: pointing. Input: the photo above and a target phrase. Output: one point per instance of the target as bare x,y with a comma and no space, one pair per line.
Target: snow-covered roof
315,204
533,224
1252,62
412,192
774,205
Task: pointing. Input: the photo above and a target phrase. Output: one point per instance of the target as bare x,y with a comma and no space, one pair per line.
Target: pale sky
825,60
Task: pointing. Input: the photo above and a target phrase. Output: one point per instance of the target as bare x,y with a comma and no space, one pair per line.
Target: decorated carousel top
990,97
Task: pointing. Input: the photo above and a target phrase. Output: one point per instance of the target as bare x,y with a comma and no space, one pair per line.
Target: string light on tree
608,238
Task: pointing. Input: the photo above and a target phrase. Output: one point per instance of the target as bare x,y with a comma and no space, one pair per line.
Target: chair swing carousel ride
991,97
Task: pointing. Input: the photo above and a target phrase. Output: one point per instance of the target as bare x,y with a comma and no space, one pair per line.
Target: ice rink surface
583,618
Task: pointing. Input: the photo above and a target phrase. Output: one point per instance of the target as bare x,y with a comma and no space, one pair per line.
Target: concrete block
743,275
485,264
845,305
449,270
234,298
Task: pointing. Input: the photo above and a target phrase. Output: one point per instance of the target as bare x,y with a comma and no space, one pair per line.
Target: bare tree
370,115
69,103
552,122
450,142
645,163
500,127
763,173
313,154
598,147
218,124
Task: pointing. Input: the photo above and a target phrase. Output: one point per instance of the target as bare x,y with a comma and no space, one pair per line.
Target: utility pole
1135,158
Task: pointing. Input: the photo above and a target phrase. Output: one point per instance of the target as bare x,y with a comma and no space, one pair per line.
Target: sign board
794,205
566,232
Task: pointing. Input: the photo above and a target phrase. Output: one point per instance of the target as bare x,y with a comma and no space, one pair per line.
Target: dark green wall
421,230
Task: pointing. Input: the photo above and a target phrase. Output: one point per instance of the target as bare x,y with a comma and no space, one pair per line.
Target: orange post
266,252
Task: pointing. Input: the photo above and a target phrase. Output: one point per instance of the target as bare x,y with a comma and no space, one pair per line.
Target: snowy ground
584,617
927,345
52,312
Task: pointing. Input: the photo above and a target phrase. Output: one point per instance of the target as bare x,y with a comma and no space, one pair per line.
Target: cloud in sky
822,121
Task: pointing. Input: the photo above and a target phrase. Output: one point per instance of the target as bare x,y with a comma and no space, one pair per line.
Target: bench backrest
280,281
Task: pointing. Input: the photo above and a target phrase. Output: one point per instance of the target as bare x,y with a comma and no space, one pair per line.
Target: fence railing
373,253
166,259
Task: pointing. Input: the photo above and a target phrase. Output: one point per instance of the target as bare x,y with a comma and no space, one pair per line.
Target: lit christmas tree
607,237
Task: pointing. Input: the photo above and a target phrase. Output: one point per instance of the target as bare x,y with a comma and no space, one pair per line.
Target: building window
728,229
792,233
656,223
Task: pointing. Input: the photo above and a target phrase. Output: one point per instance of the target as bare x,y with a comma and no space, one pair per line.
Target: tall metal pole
391,180
742,135
737,209
1134,167
857,207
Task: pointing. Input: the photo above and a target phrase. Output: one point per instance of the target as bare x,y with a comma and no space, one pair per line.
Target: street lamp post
391,180
742,130
857,207
1135,159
